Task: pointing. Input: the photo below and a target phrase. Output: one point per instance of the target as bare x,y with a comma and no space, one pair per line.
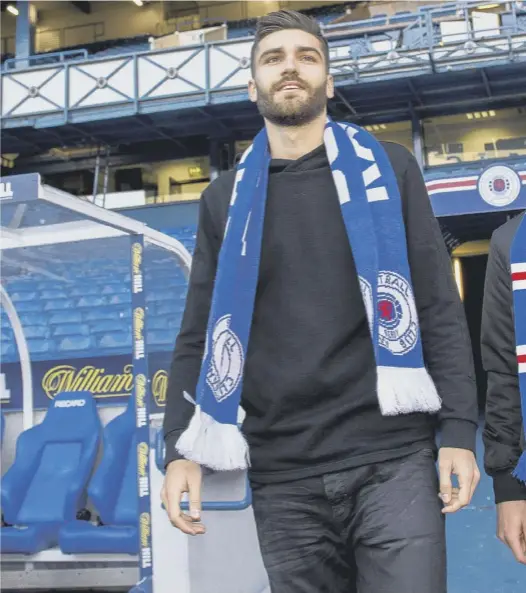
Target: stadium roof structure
34,214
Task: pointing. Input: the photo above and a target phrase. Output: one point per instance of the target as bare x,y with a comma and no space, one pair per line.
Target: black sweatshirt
503,431
310,389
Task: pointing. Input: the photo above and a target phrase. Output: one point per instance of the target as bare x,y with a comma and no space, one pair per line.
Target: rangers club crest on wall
499,186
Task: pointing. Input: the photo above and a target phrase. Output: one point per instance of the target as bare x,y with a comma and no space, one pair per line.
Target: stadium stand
89,315
45,486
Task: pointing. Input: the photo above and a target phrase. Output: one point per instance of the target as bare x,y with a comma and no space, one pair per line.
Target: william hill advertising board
110,379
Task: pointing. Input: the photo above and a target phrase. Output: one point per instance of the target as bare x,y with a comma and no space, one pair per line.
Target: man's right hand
183,476
511,527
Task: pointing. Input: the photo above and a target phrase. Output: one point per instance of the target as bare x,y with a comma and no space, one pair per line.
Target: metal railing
417,30
44,59
199,75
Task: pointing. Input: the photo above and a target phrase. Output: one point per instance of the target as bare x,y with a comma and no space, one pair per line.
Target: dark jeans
372,529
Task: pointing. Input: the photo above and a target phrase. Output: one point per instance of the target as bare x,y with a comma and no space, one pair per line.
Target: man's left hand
463,464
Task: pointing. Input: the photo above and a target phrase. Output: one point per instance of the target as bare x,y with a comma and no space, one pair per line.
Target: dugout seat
46,484
113,493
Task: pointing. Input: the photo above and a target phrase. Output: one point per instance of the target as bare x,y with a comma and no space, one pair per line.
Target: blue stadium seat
113,492
76,343
48,285
7,335
15,285
100,314
53,294
57,304
40,346
108,313
120,299
36,331
29,306
33,319
67,316
165,308
83,288
161,337
91,301
105,326
44,487
121,339
117,288
19,297
163,322
7,349
160,295
71,329
4,321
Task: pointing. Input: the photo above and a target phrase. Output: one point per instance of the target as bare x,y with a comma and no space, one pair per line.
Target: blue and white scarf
518,276
371,208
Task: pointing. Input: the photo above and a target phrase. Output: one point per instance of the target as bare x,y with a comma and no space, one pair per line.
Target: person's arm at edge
503,420
186,361
445,336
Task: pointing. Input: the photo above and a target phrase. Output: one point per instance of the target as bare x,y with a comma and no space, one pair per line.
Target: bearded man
322,301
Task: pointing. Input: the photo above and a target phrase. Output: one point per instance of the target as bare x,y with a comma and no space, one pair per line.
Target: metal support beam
415,95
217,121
215,159
15,137
96,178
25,34
486,82
146,123
341,97
417,134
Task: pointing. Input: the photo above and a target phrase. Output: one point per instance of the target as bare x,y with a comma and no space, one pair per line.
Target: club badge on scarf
371,209
518,277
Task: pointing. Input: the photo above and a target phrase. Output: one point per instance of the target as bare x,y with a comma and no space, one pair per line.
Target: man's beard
294,111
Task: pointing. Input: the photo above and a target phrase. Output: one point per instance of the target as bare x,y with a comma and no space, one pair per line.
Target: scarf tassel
219,446
406,390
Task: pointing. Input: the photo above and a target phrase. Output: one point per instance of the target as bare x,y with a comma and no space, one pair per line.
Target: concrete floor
478,561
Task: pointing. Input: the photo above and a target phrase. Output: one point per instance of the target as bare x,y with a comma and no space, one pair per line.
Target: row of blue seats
64,311
84,329
30,288
36,317
46,491
32,301
156,339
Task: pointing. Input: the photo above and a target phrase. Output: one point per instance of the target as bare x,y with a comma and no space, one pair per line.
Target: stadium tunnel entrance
468,239
470,272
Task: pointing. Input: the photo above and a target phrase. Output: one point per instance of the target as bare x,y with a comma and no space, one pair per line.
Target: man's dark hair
287,19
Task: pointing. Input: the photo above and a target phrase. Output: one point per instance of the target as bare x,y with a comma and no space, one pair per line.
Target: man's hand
511,527
183,476
462,463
